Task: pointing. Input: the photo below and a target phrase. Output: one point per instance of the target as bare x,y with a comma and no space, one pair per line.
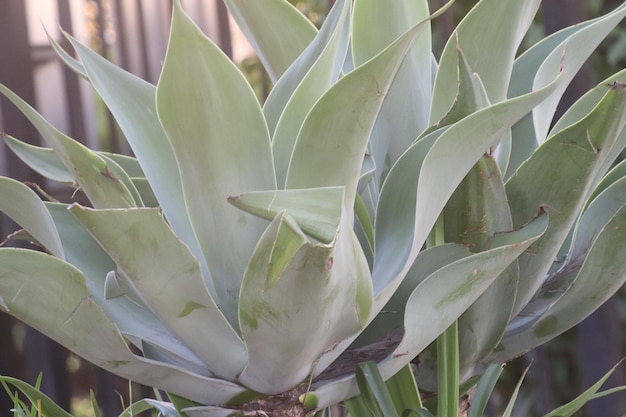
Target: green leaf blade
169,280
201,96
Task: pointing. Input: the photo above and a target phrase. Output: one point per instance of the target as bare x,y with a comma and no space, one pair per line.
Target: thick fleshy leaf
218,134
460,146
277,31
391,316
44,161
25,208
617,173
438,301
169,280
304,83
67,59
129,164
66,312
322,297
602,273
133,321
334,136
317,211
395,216
299,72
118,172
567,166
47,163
477,210
92,173
404,113
595,217
470,96
489,36
592,222
568,58
524,70
585,105
131,100
425,319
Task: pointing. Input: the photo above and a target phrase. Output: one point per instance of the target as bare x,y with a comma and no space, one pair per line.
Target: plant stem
447,353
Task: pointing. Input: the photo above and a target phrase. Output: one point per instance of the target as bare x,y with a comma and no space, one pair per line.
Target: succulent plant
248,257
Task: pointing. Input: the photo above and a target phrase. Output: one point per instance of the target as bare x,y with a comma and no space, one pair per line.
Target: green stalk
448,372
447,354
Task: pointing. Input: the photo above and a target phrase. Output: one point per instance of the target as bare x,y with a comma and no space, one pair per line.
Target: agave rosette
247,251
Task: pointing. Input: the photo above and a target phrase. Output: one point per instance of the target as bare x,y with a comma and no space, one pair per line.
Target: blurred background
133,34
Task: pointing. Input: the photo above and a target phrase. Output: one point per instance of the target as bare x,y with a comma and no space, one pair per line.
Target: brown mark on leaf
329,263
108,174
617,85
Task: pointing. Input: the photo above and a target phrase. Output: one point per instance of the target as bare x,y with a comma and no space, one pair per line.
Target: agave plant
248,256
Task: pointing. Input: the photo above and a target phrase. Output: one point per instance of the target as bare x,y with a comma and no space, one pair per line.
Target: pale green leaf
135,322
615,174
395,216
66,312
591,223
69,61
438,301
91,172
567,58
460,146
322,297
524,70
331,145
602,273
25,208
300,70
219,136
131,100
120,175
477,210
446,294
277,31
44,161
489,36
392,314
404,113
403,390
364,222
470,96
567,166
304,83
169,280
129,164
317,211
146,193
